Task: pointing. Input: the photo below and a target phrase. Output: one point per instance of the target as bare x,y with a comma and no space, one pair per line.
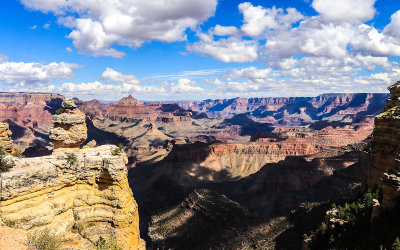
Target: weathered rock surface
11,238
87,188
5,137
391,186
69,129
386,138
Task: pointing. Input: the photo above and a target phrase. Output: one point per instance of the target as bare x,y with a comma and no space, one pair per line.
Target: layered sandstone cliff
386,137
386,149
87,188
5,137
79,194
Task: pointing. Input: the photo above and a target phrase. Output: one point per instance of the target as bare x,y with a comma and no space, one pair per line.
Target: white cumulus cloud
251,73
22,74
353,11
256,18
97,25
230,49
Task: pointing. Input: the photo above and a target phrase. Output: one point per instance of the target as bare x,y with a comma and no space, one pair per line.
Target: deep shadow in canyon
276,190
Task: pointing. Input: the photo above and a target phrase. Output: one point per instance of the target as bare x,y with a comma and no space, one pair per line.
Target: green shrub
118,151
344,223
396,244
44,240
5,165
103,244
17,153
71,159
9,223
59,111
77,228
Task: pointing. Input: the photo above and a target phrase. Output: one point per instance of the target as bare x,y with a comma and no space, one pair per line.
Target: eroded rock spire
5,137
69,129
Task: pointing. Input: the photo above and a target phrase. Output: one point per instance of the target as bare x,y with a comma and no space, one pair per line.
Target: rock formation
69,129
79,194
386,137
5,137
391,186
129,101
86,189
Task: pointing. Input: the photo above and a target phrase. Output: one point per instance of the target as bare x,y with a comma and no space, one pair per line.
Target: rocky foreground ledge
79,194
84,189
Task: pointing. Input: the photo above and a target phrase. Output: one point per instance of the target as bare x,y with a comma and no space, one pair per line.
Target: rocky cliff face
386,149
81,194
386,137
5,137
87,188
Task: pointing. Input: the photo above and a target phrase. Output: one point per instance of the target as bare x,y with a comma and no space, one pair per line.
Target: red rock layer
29,109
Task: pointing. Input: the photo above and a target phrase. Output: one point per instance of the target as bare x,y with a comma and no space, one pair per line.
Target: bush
59,111
9,223
5,165
345,223
44,240
396,244
118,151
103,244
17,153
77,228
71,159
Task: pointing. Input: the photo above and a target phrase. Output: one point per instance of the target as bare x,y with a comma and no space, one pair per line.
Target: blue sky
192,50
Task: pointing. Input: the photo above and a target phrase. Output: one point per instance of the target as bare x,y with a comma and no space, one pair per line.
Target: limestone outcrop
5,137
69,129
81,194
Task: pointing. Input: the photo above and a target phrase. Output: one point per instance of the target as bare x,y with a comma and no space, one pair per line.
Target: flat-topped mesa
69,129
129,101
5,137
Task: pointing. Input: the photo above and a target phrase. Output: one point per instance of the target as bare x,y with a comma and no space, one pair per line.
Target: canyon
261,160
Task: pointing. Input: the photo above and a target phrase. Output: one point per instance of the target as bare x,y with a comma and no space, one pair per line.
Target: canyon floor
221,174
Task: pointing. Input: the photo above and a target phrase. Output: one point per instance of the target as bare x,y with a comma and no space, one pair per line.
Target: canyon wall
294,111
29,116
386,137
29,109
385,155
